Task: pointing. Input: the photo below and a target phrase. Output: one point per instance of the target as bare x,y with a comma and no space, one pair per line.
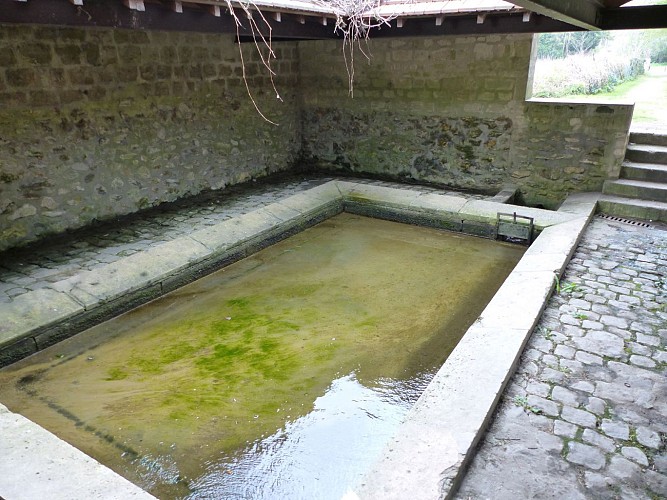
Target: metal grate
514,228
625,221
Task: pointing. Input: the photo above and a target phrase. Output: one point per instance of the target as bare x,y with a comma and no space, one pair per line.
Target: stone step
654,138
644,153
642,190
644,172
632,208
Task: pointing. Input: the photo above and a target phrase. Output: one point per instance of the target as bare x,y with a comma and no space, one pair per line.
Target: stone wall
560,148
99,123
453,111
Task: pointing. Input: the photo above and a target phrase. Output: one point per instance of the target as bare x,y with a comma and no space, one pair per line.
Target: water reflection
319,455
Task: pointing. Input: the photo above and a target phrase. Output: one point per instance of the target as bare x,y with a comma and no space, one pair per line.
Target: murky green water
281,376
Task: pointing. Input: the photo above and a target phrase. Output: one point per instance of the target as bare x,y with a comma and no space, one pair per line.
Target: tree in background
639,43
587,62
656,43
560,45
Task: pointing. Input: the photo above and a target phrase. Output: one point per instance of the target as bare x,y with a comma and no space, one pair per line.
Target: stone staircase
641,190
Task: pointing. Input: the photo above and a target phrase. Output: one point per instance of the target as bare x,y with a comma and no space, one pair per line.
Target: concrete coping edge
428,455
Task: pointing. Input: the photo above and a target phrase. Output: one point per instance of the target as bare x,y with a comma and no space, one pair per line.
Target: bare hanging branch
354,20
262,43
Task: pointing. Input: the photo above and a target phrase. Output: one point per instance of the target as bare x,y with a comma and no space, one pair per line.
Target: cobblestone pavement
39,266
585,416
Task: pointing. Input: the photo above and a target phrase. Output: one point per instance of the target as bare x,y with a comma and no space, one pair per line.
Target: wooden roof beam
507,22
161,16
641,17
135,5
614,3
580,13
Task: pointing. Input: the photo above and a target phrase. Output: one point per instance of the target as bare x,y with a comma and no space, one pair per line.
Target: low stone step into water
644,172
633,208
646,153
630,188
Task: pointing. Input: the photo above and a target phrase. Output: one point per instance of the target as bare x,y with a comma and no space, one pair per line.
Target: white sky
636,3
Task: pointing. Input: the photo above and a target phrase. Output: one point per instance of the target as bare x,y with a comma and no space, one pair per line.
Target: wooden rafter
135,5
210,16
580,13
643,17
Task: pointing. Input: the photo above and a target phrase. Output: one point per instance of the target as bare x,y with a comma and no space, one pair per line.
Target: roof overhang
599,14
202,16
315,19
580,13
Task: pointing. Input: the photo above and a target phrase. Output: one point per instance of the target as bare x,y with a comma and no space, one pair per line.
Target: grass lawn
648,92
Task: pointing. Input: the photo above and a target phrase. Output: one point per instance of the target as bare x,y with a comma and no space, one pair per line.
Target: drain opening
625,221
514,228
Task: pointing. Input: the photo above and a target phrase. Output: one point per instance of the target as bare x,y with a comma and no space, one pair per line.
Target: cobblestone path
39,266
53,260
585,416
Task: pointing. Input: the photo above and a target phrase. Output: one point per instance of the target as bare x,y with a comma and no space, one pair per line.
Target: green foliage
582,74
560,45
522,401
545,332
588,63
117,373
559,368
656,42
564,286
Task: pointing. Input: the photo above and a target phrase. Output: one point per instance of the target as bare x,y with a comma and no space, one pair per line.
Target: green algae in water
250,382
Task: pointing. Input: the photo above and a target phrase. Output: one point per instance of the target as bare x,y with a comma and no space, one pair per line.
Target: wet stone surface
585,415
41,265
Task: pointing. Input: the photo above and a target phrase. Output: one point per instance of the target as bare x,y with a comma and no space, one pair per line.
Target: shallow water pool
280,376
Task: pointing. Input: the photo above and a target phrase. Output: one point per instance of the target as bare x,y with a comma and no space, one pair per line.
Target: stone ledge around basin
43,317
53,468
441,431
445,211
427,457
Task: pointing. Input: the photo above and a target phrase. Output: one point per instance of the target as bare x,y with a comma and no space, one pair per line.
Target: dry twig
354,20
263,43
